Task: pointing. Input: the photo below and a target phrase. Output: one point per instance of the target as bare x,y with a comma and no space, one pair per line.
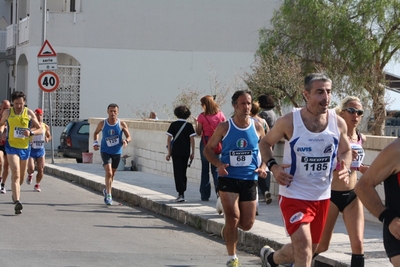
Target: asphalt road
68,225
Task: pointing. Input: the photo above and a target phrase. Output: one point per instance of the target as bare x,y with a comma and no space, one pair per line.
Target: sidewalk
157,193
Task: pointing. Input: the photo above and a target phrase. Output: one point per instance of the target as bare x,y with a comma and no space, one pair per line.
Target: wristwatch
31,133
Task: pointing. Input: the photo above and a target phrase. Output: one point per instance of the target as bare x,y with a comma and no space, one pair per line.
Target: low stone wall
148,150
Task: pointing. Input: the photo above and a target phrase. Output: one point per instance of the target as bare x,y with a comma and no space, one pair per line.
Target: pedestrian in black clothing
180,144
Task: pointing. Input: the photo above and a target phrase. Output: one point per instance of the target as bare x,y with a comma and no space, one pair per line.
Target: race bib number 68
239,158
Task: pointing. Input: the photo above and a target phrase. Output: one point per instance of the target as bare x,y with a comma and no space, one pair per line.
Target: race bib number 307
239,158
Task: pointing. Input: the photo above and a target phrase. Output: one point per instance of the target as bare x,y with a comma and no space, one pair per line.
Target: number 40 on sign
48,81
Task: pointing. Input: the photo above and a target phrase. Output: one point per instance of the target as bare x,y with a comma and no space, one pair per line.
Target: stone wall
148,150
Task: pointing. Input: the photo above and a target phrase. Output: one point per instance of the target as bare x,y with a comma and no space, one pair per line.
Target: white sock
232,257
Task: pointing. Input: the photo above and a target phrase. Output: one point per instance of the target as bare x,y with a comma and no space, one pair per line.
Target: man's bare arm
283,128
36,128
4,118
380,169
126,131
344,151
96,144
48,134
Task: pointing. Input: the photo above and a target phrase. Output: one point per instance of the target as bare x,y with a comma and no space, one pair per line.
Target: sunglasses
353,110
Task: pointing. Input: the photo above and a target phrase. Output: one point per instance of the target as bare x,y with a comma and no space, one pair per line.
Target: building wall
142,54
4,14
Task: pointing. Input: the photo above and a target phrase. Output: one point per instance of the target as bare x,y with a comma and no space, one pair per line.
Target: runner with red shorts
314,137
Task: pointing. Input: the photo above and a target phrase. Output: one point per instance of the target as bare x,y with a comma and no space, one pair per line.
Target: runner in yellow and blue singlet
21,124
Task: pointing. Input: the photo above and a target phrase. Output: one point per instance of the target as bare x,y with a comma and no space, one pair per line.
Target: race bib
315,166
112,141
240,158
19,132
360,156
37,144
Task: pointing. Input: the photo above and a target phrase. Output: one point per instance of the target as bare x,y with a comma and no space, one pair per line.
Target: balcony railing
10,37
3,38
23,33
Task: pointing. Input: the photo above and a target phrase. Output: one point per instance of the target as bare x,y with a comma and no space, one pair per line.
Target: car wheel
79,160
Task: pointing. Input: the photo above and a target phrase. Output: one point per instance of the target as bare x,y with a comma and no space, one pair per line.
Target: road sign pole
51,128
48,81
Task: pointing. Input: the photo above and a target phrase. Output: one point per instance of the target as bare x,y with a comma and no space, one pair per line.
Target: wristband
387,216
126,141
95,143
271,163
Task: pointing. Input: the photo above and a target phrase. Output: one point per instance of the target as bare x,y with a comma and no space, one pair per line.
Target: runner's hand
222,170
282,177
262,173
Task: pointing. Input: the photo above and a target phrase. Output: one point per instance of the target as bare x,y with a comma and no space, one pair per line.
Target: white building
136,53
139,54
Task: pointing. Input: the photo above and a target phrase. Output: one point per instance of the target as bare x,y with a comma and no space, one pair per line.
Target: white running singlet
312,158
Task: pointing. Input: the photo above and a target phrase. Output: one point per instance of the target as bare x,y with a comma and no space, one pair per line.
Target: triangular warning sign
47,50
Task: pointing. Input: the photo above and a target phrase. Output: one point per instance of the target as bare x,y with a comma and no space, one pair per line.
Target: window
64,5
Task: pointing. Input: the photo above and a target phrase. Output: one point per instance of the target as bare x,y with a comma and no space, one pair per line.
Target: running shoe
265,251
3,190
180,199
37,188
18,207
267,196
108,200
29,179
233,263
105,195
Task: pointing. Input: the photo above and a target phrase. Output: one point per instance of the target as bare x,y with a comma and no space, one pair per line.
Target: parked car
74,140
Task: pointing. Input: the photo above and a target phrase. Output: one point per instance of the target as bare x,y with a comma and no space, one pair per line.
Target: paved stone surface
157,193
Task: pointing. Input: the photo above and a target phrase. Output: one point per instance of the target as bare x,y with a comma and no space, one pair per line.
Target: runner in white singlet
314,136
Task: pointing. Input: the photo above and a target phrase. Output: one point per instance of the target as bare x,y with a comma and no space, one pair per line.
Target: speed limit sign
48,81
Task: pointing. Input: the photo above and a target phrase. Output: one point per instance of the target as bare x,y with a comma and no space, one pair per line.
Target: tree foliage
351,40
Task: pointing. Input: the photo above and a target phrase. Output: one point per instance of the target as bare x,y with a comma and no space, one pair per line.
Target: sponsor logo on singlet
111,132
304,149
328,149
315,159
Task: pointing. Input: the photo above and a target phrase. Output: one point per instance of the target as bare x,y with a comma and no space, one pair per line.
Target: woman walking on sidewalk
206,123
181,148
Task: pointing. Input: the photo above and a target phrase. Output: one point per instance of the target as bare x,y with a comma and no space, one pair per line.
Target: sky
393,99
